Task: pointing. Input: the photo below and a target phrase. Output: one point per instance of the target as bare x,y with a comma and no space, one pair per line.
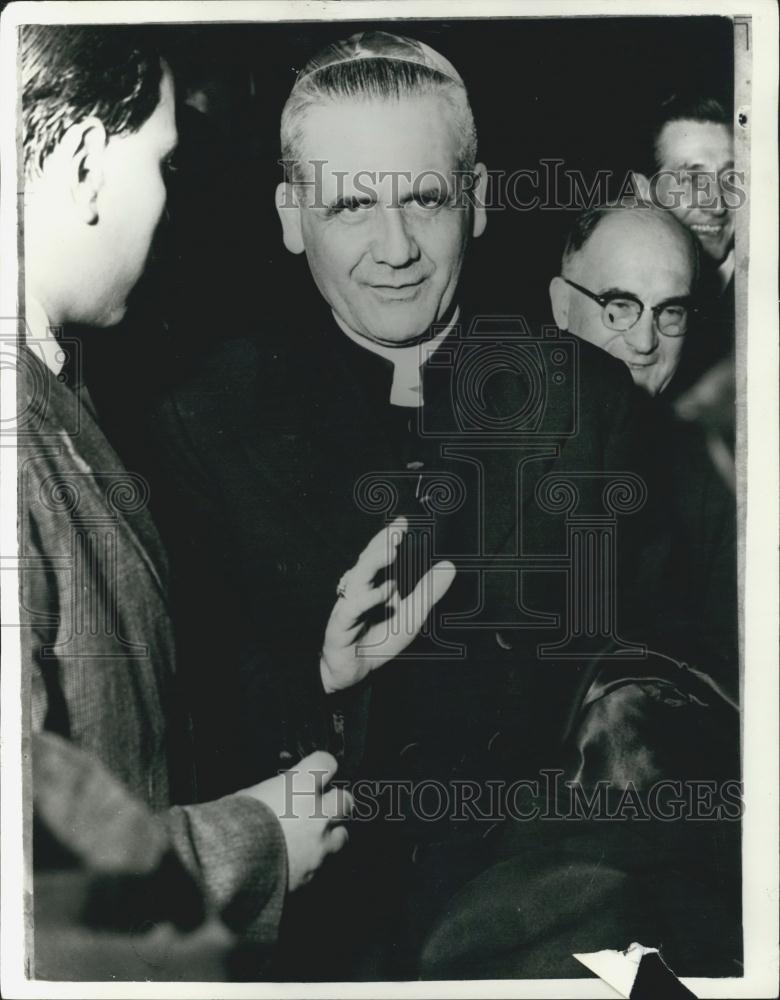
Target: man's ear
641,185
559,300
289,212
80,156
478,195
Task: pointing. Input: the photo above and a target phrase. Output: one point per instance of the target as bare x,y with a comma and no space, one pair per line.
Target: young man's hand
311,818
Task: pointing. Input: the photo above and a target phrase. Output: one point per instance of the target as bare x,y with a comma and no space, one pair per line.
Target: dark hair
70,72
683,107
583,227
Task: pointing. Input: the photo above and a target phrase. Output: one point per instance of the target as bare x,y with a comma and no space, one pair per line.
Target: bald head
645,262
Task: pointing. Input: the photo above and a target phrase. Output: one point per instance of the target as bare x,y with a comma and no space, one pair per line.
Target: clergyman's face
131,203
383,227
637,253
702,152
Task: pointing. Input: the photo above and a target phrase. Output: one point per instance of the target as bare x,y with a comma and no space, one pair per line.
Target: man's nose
393,243
643,336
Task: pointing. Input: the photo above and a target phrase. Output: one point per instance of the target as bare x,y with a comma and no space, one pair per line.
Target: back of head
375,65
72,72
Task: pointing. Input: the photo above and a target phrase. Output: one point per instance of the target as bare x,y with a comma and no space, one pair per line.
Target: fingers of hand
359,598
337,805
430,589
379,553
370,597
338,838
317,769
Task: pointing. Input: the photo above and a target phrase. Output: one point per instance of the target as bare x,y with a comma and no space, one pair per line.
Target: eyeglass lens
622,314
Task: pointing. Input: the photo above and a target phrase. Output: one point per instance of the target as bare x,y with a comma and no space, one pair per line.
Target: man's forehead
630,240
406,134
687,141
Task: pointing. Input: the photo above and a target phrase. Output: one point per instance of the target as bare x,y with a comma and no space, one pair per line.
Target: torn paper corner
617,968
638,973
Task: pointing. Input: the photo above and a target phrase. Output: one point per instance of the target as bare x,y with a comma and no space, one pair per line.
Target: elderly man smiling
386,223
626,287
397,397
628,277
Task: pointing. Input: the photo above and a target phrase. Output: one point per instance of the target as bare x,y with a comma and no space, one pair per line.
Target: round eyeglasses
622,311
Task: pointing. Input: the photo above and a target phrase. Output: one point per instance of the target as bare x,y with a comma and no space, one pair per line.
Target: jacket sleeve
234,846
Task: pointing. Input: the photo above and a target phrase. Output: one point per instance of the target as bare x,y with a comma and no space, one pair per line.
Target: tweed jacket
97,645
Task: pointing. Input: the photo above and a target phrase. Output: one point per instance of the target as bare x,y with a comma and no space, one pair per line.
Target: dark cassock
528,462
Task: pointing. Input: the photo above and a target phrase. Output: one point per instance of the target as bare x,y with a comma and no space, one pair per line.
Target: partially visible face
387,244
131,202
702,152
646,255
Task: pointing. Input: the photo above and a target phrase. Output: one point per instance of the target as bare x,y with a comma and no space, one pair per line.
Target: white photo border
758,481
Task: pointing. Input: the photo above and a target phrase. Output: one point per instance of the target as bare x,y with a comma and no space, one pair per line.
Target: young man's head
98,124
382,191
625,286
692,144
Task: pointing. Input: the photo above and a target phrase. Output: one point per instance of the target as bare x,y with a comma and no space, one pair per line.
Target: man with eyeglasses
628,275
387,398
626,287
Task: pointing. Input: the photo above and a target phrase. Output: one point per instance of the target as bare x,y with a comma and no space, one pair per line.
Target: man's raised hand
370,623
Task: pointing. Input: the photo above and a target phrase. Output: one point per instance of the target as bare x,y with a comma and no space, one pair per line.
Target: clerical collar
726,270
407,389
41,339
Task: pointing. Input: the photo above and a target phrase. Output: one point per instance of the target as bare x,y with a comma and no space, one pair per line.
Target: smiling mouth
396,288
707,230
405,291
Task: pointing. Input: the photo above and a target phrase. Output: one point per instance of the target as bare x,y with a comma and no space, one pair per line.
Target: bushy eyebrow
729,165
675,300
351,201
424,192
367,200
621,293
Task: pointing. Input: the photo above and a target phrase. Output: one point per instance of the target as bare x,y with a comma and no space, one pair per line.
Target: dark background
577,89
